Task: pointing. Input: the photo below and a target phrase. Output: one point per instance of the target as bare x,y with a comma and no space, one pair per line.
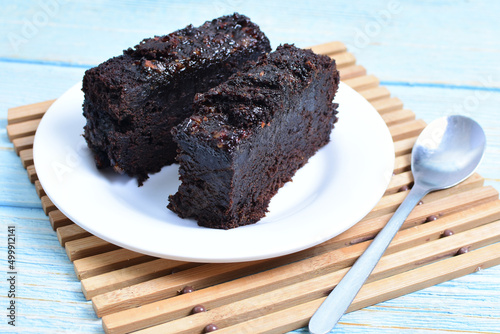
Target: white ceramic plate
333,191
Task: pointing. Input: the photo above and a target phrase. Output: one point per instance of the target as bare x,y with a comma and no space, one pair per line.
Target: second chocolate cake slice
249,135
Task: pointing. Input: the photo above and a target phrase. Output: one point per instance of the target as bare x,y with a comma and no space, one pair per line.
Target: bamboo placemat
452,233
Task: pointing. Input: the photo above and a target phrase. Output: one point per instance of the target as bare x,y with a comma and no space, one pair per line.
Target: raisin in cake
132,101
249,135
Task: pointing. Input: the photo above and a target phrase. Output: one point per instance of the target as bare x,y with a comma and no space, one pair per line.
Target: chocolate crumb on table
404,188
447,233
187,289
431,218
463,250
198,309
210,328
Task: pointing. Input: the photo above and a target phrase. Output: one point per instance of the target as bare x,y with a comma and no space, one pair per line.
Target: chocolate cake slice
249,135
132,101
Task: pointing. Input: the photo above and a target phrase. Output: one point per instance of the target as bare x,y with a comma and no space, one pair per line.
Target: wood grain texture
28,112
71,232
23,143
89,246
58,219
257,284
422,52
391,287
105,262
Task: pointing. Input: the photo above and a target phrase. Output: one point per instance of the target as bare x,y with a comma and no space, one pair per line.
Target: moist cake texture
249,135
133,100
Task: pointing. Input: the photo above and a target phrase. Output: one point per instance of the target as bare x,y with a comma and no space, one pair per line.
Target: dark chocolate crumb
447,233
198,309
404,188
186,289
210,328
463,250
431,218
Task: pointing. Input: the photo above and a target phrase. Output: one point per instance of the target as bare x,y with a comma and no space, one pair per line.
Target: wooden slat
80,248
197,277
389,203
481,257
298,280
406,179
344,59
459,221
70,232
18,130
407,129
405,145
362,83
387,105
132,275
47,205
32,173
351,72
108,261
169,286
398,181
329,48
39,190
26,157
58,219
367,229
23,143
397,117
28,112
402,163
376,93
375,292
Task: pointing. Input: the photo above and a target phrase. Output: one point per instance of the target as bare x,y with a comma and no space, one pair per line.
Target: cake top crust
247,101
214,39
159,61
193,47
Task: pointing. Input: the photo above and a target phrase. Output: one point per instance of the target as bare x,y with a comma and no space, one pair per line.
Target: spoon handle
335,305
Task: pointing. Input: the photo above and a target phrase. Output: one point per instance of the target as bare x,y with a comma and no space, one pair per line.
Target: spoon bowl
447,152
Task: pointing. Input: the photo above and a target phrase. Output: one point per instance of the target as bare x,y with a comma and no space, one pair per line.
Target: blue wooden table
440,58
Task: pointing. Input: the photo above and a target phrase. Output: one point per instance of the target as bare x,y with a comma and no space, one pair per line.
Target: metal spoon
446,153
